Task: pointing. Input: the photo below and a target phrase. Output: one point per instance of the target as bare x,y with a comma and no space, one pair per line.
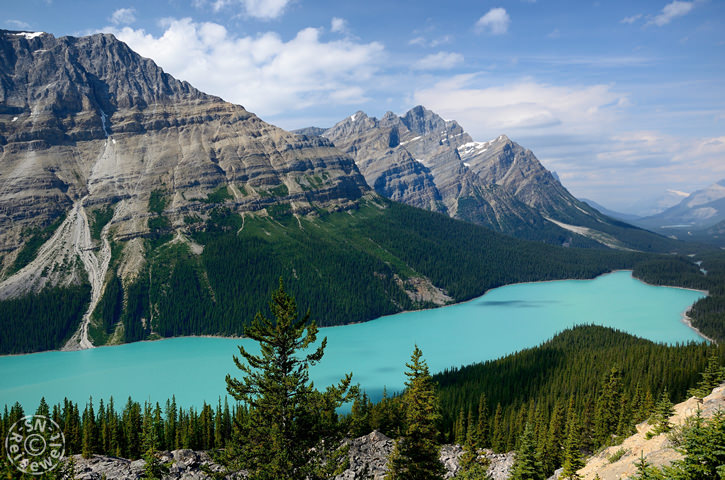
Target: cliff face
428,162
104,147
88,119
87,123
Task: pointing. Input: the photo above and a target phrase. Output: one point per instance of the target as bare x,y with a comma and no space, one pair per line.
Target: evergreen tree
89,443
497,442
416,454
703,447
713,375
284,437
460,429
550,449
663,411
482,438
526,465
645,470
572,445
609,405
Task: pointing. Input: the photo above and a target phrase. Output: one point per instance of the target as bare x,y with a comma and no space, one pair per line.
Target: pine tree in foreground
291,430
661,417
526,466
572,445
416,454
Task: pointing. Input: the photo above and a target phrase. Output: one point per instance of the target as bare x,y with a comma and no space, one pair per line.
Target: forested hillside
346,266
605,380
706,271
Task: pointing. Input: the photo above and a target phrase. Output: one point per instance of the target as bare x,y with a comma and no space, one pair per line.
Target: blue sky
623,99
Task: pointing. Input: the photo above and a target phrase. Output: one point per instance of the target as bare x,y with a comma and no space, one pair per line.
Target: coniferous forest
601,380
345,268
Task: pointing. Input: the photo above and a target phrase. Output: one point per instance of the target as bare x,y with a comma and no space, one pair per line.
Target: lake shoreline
685,319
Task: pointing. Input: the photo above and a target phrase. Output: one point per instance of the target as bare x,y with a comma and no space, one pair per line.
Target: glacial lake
500,322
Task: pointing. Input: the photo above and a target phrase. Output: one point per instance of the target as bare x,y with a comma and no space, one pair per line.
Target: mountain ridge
425,161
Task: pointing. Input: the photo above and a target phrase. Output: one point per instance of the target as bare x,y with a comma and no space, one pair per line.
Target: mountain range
133,206
427,162
699,210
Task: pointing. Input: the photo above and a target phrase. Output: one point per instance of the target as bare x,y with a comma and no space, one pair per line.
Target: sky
623,99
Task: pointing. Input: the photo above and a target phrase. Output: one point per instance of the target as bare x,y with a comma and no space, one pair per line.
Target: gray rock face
182,465
368,461
88,122
428,162
369,457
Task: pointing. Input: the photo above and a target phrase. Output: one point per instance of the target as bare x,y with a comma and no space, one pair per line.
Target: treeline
44,321
708,314
133,429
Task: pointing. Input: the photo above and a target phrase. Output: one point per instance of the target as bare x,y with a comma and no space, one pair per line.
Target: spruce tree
645,470
713,375
526,465
663,411
703,447
572,445
416,454
482,438
608,409
498,440
287,434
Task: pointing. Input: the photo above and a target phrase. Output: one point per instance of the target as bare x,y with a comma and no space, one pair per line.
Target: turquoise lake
500,322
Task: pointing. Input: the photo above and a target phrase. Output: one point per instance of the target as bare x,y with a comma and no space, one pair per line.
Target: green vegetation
416,453
610,379
291,430
99,218
617,455
44,321
220,195
702,446
708,314
157,201
37,238
280,190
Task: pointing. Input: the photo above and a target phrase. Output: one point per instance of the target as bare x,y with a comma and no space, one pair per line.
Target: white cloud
554,33
261,9
439,61
264,73
524,107
641,164
632,19
495,22
17,24
338,25
671,11
123,16
436,42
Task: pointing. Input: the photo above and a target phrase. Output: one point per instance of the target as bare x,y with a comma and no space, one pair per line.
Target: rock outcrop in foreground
658,450
368,459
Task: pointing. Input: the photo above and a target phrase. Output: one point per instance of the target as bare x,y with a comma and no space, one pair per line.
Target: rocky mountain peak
88,125
422,121
97,71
